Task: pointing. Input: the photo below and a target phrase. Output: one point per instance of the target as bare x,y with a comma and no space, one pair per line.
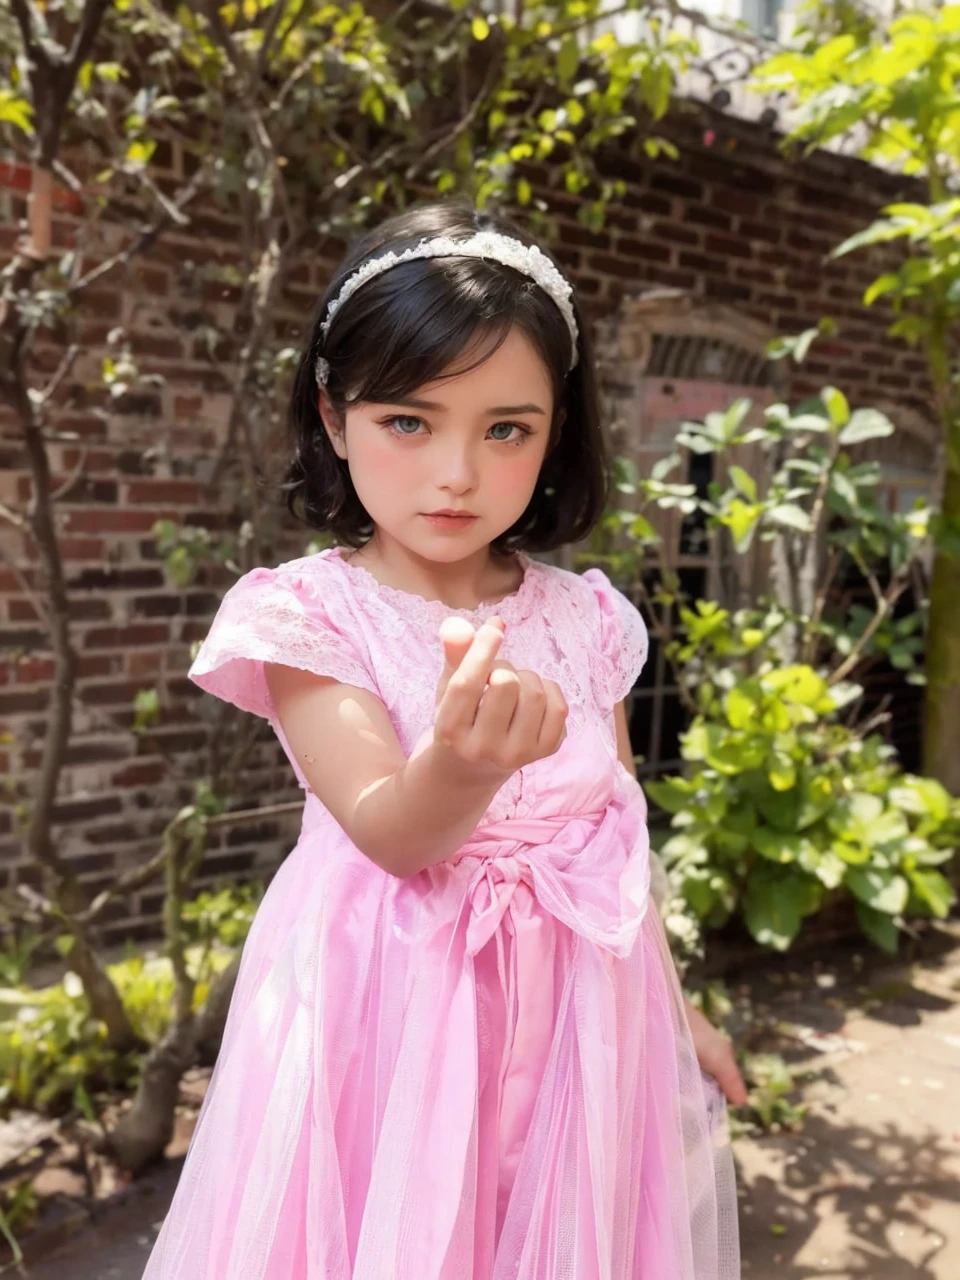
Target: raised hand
491,716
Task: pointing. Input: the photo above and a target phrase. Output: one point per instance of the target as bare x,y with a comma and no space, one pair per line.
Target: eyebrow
410,402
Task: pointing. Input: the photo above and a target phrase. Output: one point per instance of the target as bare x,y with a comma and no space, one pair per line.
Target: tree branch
145,238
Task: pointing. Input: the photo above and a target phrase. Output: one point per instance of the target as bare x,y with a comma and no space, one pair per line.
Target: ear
333,425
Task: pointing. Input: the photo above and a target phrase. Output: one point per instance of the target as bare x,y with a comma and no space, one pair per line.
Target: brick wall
731,221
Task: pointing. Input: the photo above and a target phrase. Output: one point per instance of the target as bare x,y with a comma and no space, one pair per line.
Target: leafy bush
54,1055
785,808
790,800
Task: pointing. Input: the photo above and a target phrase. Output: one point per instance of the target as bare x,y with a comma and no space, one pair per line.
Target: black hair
433,317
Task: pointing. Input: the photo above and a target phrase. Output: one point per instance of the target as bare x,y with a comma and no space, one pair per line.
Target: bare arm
409,814
714,1051
403,814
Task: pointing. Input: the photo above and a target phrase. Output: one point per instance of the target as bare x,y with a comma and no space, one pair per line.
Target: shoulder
602,620
590,593
313,582
298,614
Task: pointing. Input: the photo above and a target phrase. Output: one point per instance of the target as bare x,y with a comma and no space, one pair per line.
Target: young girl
457,1048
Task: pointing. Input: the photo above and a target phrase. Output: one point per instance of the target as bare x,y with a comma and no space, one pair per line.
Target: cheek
518,472
377,467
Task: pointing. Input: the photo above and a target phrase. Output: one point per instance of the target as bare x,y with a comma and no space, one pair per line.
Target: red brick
735,201
144,664
166,492
114,637
142,773
34,670
82,548
22,611
727,246
675,233
105,521
643,249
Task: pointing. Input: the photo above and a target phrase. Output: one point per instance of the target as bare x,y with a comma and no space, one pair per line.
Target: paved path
869,1190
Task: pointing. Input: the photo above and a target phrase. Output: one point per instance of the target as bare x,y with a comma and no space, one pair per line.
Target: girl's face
453,465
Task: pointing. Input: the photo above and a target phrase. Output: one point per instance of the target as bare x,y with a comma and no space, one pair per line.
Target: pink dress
482,1072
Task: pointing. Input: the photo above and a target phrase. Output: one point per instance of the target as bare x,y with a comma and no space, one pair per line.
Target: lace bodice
328,616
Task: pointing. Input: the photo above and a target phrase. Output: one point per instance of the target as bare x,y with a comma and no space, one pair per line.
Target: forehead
513,368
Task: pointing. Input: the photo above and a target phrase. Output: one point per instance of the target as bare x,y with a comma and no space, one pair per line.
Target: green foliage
51,1051
770,1084
814,483
784,808
16,954
54,1054
886,84
788,803
18,1208
894,81
186,549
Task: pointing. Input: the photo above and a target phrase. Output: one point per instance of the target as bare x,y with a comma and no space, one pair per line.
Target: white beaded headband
527,259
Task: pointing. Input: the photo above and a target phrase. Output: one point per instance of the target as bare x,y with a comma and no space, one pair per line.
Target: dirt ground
868,1189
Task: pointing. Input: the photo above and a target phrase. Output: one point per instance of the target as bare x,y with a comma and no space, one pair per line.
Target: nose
458,472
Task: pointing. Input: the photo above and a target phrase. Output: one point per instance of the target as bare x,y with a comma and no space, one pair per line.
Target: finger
524,730
553,730
456,636
461,691
727,1075
497,707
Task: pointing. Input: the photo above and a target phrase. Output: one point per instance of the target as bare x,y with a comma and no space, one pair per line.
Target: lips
450,521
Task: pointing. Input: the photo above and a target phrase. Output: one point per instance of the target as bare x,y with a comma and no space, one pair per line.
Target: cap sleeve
622,642
291,616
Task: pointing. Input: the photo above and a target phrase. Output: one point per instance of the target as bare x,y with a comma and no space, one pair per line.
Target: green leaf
935,890
880,286
671,794
826,865
844,489
880,889
881,231
790,516
777,846
744,482
866,424
879,928
835,403
774,906
922,796
739,707
16,111
480,28
741,519
568,59
797,683
139,154
781,771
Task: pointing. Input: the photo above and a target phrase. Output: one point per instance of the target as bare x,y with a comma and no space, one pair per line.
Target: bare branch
31,25
884,606
66,364
90,21
18,521
144,239
276,16
59,494
467,120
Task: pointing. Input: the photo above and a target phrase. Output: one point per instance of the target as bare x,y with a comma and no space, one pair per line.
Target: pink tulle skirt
480,1073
